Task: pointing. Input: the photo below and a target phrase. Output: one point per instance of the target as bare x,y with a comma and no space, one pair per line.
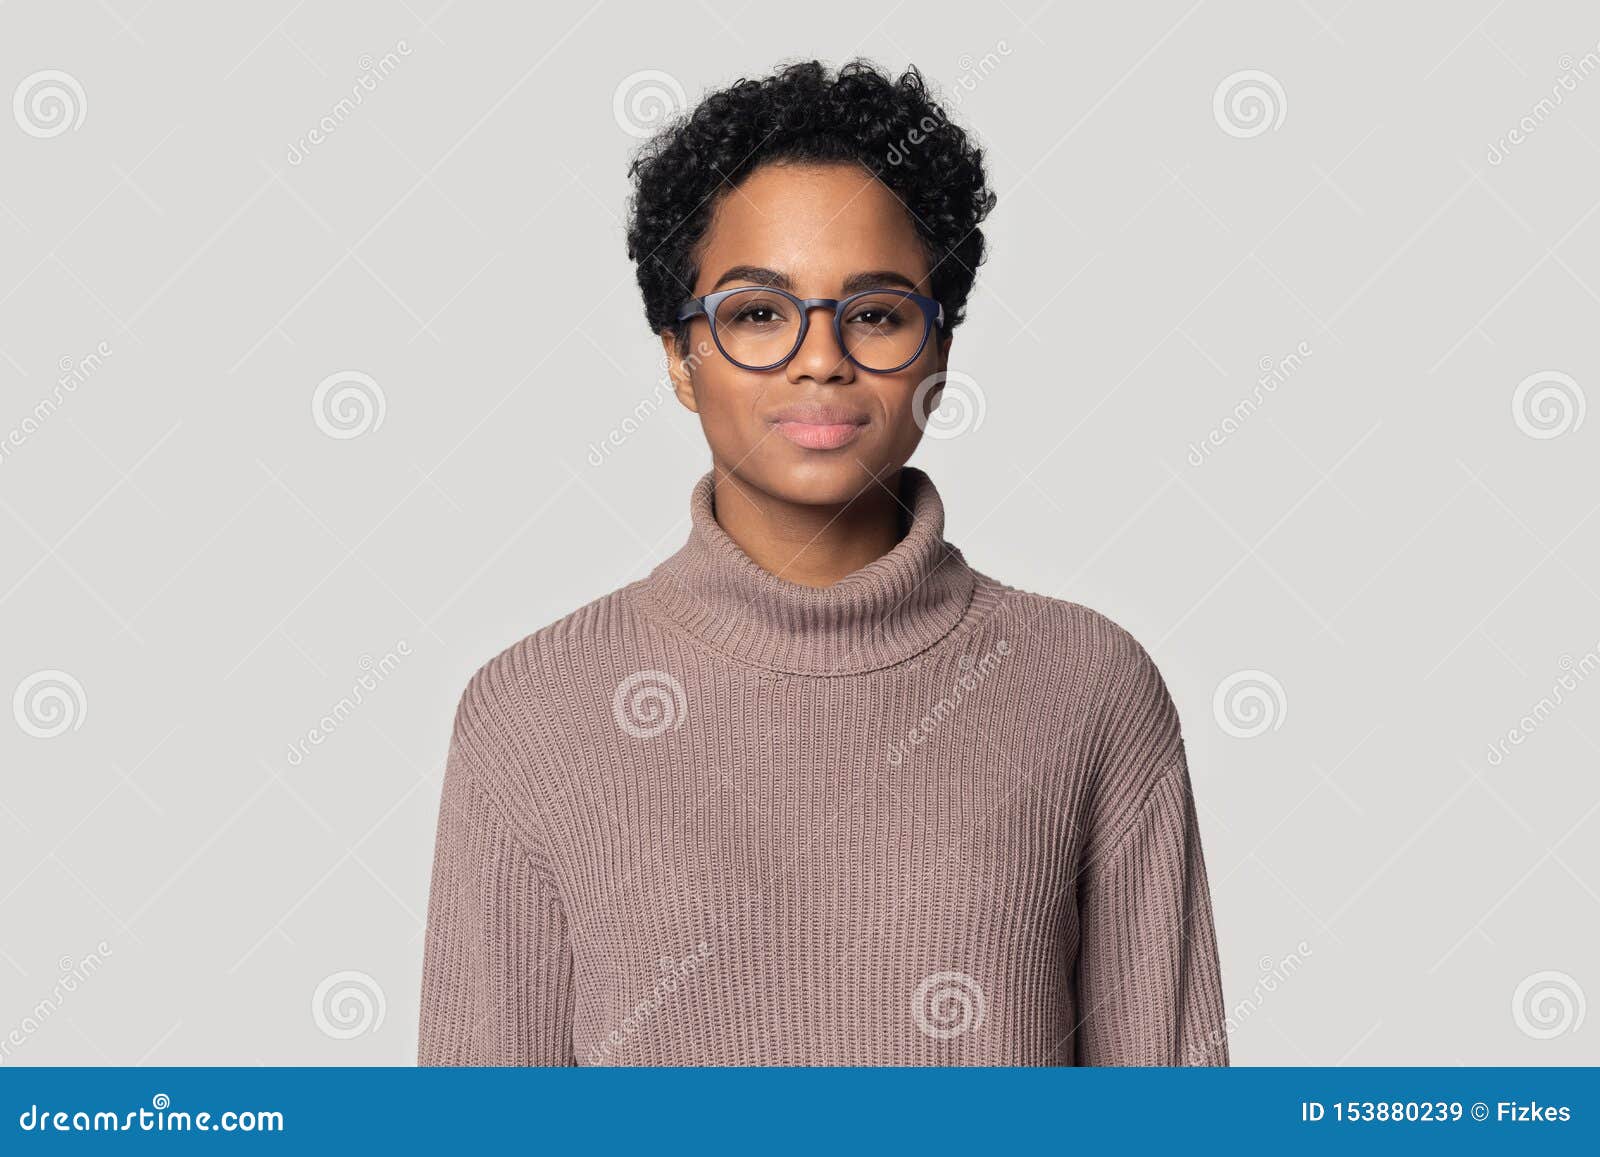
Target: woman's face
819,429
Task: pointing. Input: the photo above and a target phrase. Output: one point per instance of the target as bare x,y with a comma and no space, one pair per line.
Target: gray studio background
1360,579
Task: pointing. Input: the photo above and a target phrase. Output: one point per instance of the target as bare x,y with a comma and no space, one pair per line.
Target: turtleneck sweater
916,817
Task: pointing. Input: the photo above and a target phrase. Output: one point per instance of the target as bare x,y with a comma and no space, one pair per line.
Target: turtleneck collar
895,607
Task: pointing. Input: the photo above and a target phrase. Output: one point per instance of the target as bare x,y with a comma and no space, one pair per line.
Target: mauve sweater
917,817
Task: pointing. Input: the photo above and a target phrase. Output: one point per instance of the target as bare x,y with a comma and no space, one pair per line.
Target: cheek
728,400
896,400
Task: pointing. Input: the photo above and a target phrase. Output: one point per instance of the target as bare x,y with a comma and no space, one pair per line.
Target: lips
818,427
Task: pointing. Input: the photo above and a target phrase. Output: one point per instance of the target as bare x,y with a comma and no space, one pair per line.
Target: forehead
817,223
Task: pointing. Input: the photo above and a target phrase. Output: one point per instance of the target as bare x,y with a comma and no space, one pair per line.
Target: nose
820,358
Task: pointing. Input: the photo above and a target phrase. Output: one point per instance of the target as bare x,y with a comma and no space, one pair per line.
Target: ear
941,363
681,369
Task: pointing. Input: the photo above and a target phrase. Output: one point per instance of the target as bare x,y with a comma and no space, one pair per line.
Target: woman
815,791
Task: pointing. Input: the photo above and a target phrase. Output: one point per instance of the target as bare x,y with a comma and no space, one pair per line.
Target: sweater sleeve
497,966
1149,986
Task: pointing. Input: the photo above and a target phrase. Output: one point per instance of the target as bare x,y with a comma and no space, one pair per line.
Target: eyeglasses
760,328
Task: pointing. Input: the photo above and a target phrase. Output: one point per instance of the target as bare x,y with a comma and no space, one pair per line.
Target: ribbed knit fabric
914,818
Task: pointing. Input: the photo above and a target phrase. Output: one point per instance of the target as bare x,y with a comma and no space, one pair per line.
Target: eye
758,314
880,314
755,311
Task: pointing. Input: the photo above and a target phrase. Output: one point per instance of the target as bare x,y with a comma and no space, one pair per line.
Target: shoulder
1095,672
514,702
1110,663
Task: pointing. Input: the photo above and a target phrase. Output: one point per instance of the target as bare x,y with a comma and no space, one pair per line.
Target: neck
910,593
811,545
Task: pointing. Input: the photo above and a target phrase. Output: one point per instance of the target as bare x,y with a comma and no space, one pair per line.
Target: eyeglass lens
881,331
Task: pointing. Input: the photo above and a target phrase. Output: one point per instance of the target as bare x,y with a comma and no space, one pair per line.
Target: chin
813,478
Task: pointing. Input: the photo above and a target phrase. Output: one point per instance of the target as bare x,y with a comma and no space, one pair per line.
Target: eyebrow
855,283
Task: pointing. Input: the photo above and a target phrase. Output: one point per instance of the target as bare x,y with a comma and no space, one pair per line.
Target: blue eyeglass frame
707,306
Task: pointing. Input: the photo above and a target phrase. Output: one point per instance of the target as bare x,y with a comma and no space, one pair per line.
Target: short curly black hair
892,127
